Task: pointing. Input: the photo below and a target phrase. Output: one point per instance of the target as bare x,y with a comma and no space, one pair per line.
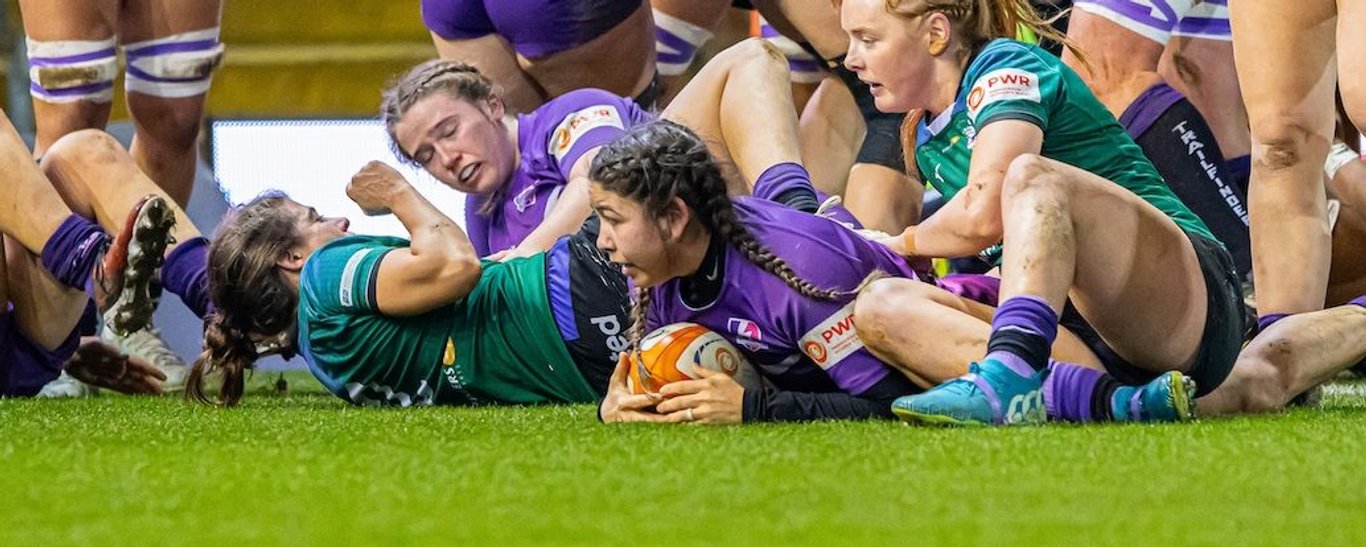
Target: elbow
460,274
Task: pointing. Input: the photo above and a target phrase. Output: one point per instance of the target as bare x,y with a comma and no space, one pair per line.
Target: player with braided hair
777,282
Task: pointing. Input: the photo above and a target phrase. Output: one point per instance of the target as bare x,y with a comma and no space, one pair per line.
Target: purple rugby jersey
549,141
778,329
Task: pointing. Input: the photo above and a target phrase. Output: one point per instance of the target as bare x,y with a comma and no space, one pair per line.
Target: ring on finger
687,416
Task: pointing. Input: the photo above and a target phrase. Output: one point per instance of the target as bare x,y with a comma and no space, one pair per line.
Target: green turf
304,466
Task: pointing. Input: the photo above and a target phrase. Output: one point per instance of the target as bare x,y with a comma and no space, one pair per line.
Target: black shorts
1220,342
590,304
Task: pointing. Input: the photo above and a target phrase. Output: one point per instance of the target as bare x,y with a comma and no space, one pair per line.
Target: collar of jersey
929,130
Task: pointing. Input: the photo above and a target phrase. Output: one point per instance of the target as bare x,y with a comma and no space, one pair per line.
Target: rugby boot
123,278
1168,398
990,394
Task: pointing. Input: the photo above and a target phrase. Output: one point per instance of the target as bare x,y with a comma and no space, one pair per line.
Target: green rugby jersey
1009,80
497,345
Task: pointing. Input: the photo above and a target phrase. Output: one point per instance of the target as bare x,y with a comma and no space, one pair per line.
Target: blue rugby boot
1168,398
976,399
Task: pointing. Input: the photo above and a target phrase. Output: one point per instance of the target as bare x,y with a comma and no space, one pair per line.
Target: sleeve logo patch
348,278
1006,84
578,123
833,340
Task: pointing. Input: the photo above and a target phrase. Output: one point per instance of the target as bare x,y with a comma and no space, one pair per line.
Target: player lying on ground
1028,156
391,321
780,285
526,175
52,250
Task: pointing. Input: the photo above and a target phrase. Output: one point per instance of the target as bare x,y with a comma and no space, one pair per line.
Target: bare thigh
44,310
1134,274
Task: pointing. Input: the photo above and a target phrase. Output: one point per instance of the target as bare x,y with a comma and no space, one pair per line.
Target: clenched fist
375,187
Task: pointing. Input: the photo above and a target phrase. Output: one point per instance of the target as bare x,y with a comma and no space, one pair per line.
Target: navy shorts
26,367
1219,344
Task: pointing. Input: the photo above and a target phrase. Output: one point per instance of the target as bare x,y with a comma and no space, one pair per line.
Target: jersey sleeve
1012,83
341,277
591,119
770,404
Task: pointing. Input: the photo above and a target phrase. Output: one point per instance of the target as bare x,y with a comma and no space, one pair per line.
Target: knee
886,305
1030,174
169,126
83,148
754,52
1284,142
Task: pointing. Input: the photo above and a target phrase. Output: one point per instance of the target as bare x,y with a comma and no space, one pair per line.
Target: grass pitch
305,467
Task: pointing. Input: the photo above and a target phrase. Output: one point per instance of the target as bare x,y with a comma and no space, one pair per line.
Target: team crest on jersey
579,123
524,199
1005,84
747,334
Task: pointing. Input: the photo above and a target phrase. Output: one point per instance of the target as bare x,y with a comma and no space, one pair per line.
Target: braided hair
655,162
249,293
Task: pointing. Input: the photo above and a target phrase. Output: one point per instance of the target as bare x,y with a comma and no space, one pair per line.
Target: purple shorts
26,367
535,28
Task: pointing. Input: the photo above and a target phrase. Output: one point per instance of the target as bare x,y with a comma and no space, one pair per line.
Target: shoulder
332,261
584,103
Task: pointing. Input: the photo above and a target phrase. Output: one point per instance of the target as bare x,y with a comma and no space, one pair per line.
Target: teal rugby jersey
1009,80
497,345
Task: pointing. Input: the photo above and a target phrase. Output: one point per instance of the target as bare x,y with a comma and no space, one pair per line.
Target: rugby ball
674,352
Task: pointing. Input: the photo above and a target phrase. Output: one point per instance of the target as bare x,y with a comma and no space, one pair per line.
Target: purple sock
1359,301
186,274
1267,320
1068,390
1022,334
72,251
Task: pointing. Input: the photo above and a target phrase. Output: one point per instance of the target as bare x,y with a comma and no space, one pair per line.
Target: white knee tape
1338,156
176,66
70,71
805,68
676,43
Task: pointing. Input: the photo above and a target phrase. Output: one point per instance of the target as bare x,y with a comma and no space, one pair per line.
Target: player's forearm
432,233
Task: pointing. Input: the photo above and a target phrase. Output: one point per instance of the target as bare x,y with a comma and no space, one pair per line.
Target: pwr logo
816,351
833,339
578,123
1006,84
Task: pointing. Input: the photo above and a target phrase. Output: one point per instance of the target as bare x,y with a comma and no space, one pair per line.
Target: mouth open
469,172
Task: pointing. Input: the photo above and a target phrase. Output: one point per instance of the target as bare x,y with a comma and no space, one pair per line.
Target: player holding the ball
777,282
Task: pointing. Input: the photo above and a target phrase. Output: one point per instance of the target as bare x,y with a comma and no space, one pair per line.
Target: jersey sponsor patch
833,339
578,123
348,278
1005,84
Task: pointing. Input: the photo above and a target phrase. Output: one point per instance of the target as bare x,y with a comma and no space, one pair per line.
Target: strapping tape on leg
176,66
676,43
805,68
71,70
